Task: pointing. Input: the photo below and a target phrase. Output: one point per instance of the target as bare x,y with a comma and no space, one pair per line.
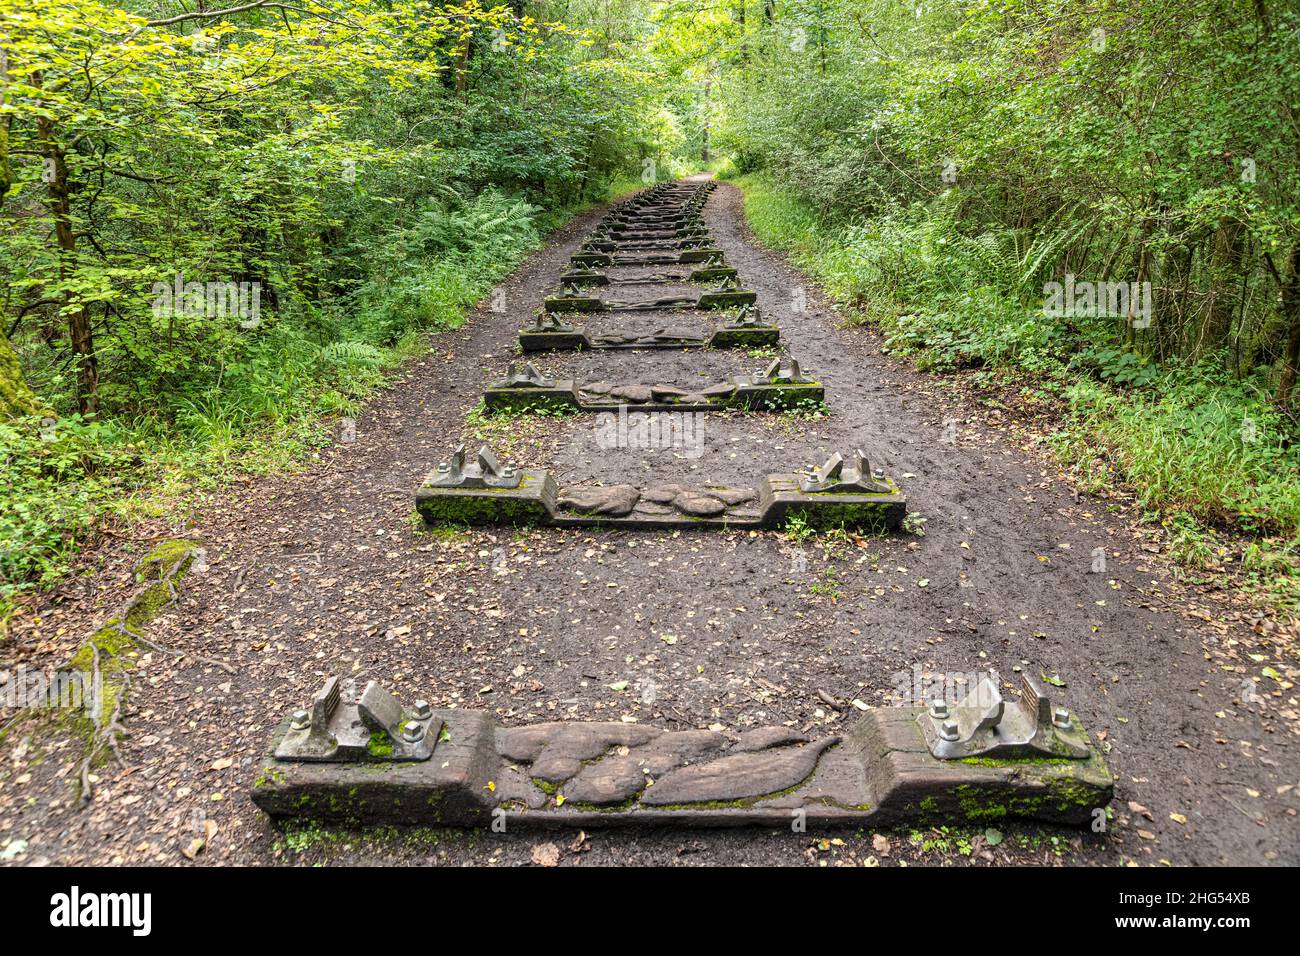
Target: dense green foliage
339,180
987,148
937,166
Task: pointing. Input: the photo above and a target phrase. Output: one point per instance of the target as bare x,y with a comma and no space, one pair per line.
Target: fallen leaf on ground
546,854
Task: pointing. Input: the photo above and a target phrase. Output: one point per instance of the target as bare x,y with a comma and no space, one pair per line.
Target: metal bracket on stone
983,724
746,330
777,388
372,727
571,299
584,277
709,273
774,374
845,477
530,377
698,255
748,318
549,322
549,332
487,472
727,295
530,391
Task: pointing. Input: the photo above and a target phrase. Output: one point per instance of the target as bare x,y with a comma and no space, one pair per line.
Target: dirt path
326,572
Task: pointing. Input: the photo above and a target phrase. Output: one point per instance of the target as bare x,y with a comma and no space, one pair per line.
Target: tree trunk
704,148
744,36
1291,313
83,344
16,398
1229,244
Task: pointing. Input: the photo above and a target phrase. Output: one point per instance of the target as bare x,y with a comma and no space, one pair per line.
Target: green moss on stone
380,744
16,398
866,518
480,506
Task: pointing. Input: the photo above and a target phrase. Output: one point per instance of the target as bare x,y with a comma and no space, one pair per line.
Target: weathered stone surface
662,392
525,743
615,779
674,333
721,390
701,505
632,393
615,500
662,494
571,744
738,777
732,496
621,776
763,738
674,749
598,388
704,502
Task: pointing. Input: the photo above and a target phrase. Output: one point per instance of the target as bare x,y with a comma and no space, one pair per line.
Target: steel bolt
949,731
301,720
422,710
938,709
1061,718
443,467
878,472
412,731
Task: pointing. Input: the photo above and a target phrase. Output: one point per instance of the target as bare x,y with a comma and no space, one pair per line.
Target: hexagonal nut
412,731
1061,718
949,730
422,710
938,709
300,720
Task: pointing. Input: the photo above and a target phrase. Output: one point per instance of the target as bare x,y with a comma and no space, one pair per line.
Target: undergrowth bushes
1201,448
263,401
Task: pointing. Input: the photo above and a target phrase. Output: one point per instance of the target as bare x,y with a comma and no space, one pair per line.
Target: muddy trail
328,572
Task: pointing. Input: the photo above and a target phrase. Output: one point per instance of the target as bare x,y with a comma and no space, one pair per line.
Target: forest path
325,572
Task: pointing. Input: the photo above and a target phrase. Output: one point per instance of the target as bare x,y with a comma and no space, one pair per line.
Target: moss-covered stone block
745,338
776,397
574,303
530,341
560,397
533,502
727,300
783,499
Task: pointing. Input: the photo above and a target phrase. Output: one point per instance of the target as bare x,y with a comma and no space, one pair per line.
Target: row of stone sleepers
652,275
360,755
